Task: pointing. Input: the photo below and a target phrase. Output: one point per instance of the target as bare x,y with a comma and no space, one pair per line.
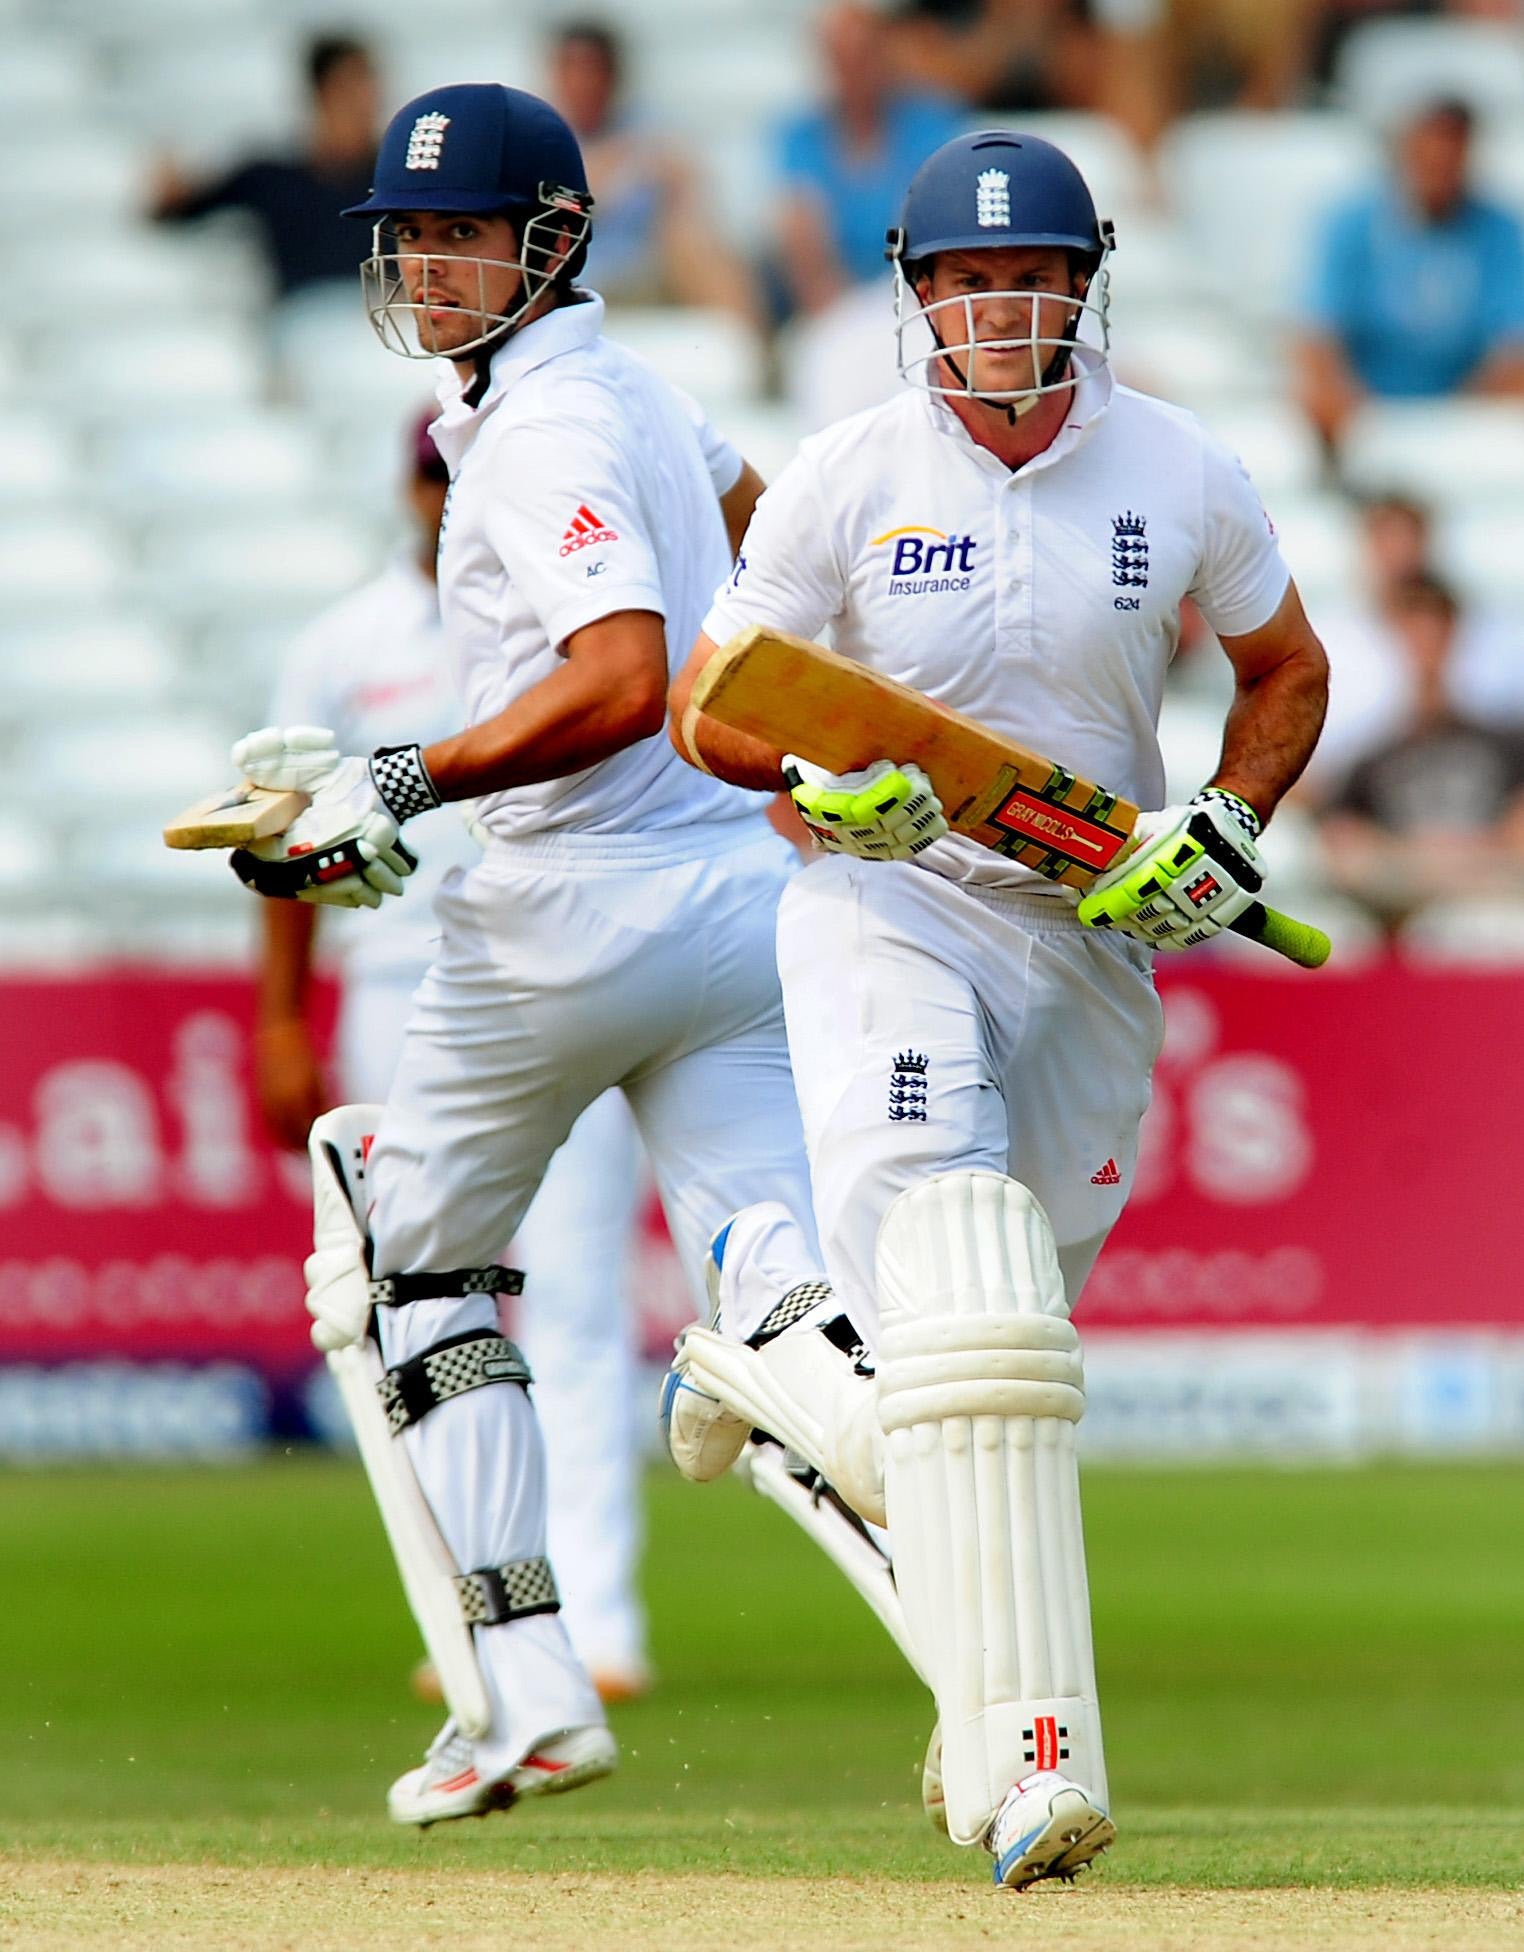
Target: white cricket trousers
575,1323
936,1028
569,965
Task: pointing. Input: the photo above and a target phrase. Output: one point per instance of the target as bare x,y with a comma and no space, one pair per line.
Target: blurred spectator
1437,809
844,165
1418,285
295,200
1004,55
653,240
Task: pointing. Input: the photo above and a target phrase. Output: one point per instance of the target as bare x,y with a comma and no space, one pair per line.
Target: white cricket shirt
581,485
374,668
1044,602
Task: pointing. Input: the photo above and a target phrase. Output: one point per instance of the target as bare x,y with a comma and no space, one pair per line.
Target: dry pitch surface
53,1906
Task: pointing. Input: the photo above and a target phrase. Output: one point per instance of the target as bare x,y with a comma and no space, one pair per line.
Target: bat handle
1298,941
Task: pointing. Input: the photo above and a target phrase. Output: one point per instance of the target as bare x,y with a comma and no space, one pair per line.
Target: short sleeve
800,158
722,460
787,574
1505,310
564,518
1242,575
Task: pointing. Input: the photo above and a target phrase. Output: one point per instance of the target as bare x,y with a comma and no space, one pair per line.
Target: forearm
734,757
604,696
1271,730
288,930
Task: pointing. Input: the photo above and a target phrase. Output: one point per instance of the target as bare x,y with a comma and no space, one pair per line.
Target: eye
463,233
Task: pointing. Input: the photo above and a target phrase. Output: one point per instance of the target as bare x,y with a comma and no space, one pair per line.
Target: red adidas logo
1107,1176
584,529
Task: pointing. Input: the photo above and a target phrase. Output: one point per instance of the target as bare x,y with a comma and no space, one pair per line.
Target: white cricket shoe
704,1438
1047,1826
447,1783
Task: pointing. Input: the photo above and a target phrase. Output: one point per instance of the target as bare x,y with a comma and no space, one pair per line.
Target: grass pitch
1313,1685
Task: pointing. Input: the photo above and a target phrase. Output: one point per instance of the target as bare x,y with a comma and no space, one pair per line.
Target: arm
714,748
737,503
806,254
608,693
1326,384
288,1079
1280,697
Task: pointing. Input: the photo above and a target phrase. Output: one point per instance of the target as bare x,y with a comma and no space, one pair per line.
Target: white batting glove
1189,872
885,812
344,849
338,1304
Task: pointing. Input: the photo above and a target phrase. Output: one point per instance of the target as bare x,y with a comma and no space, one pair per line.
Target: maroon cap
425,461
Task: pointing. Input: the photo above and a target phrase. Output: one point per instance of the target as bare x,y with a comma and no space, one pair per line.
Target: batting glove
883,813
1189,872
344,850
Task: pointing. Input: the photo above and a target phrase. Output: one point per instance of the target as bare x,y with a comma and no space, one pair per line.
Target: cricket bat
801,698
235,817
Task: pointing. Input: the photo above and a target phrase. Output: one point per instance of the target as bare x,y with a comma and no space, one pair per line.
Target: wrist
402,781
1242,810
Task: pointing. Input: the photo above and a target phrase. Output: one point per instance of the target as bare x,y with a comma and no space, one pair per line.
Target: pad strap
493,1594
795,1305
396,1290
450,1368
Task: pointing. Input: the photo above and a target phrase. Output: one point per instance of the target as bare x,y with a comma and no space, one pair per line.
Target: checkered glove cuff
1241,811
401,778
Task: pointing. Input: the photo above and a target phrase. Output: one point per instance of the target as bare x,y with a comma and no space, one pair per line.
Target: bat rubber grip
1298,941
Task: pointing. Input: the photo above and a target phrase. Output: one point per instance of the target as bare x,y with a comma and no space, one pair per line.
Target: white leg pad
804,1391
980,1387
337,1146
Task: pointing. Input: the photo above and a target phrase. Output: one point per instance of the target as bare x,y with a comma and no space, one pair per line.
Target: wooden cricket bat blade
235,816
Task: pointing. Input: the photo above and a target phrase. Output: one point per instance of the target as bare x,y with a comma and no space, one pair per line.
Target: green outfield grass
1307,1677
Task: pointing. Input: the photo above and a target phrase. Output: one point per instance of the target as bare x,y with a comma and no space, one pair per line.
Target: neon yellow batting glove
884,812
1188,874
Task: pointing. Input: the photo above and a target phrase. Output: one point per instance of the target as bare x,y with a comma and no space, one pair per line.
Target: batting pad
980,1387
337,1145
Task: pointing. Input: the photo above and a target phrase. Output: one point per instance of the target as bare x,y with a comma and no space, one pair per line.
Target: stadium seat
216,463
1251,190
139,371
768,435
1481,546
138,766
63,170
236,85
1473,932
709,354
1445,452
1319,537
1387,67
42,78
1108,158
240,570
1274,442
42,556
28,853
39,464
89,662
1201,360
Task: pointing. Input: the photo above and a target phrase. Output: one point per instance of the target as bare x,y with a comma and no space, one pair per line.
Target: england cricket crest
1129,550
425,141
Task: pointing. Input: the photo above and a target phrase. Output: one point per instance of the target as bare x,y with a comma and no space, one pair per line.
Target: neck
1018,441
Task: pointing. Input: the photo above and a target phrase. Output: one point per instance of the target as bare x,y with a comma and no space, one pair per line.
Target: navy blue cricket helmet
475,147
997,187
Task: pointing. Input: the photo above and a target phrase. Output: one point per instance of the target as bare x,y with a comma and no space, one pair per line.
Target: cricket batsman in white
1013,534
618,931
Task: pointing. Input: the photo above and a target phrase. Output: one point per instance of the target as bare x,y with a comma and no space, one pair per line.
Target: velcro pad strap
450,1368
493,1594
396,1290
795,1305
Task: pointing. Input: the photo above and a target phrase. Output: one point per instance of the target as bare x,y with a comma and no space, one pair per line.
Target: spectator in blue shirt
1418,287
843,166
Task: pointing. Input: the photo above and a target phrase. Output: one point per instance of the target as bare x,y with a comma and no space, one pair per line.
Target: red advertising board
1326,1151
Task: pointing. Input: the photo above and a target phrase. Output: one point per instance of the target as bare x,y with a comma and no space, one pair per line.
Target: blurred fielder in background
618,931
1013,534
374,668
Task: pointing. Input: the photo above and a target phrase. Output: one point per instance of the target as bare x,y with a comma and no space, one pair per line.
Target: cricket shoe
703,1437
1047,1826
448,1784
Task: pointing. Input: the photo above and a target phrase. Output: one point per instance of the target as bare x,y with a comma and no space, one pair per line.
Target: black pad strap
493,1594
450,1368
843,1333
396,1290
795,1305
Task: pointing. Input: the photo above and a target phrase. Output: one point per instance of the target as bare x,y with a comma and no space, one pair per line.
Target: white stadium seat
1274,442
132,764
138,371
711,355
1200,359
42,78
44,558
91,662
1251,190
245,568
210,92
1447,452
217,463
1388,67
1108,158
1481,547
73,168
1319,537
39,462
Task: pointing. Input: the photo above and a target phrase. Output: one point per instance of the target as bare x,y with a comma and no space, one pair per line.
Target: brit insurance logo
926,560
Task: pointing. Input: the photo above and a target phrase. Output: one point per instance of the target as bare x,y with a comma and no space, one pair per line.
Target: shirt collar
562,330
1091,397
